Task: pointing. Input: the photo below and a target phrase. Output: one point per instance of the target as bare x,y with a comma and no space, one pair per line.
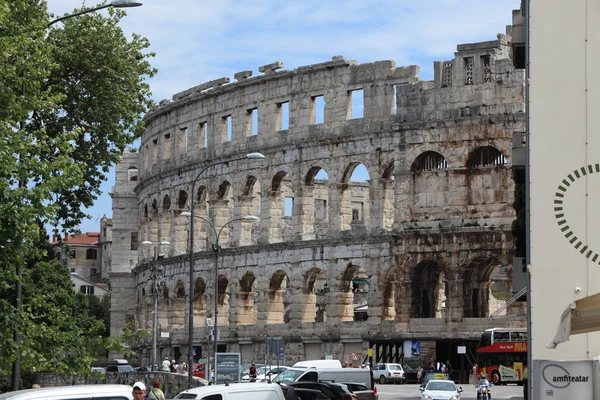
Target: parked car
235,391
265,372
120,368
363,391
334,391
359,375
389,372
98,370
80,392
291,393
199,371
429,376
440,389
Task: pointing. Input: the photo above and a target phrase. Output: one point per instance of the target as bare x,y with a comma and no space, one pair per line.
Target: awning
581,316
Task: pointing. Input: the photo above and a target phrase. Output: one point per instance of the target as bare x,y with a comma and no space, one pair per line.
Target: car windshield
289,375
446,386
395,367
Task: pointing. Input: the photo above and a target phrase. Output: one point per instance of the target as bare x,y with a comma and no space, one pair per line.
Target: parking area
411,391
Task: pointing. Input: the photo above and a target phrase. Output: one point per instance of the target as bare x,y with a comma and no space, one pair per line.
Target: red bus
502,355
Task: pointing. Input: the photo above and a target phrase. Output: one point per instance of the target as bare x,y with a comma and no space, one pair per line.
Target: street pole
254,156
154,323
216,251
155,274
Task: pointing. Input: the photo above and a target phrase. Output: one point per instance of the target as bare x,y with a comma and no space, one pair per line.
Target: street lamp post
216,248
155,274
252,156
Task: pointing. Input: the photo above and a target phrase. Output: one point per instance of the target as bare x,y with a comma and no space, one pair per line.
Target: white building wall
564,137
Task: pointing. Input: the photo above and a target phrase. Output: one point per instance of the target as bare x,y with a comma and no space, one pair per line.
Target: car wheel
382,380
496,379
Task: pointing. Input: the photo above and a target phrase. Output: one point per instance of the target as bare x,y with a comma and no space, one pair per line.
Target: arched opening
430,180
276,212
388,303
132,174
245,300
356,196
223,301
278,305
246,233
315,296
200,228
315,203
428,287
165,222
354,291
486,177
200,302
487,286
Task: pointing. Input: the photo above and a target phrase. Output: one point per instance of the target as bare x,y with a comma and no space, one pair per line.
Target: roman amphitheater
417,247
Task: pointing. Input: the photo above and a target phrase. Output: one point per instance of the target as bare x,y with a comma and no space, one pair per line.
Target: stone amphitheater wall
415,243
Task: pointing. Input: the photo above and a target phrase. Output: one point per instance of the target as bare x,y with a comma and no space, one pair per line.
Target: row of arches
317,206
427,290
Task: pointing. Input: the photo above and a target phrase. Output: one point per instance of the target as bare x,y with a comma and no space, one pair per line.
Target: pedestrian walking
156,393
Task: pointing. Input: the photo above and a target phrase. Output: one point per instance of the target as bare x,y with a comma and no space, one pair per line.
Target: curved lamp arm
115,4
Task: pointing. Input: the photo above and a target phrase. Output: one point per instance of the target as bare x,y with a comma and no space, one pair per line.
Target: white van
234,391
318,364
80,392
358,375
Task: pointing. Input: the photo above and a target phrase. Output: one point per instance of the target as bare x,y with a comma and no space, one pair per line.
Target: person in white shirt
166,365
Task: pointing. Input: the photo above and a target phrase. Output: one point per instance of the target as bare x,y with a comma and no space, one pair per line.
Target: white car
389,372
234,391
264,372
439,389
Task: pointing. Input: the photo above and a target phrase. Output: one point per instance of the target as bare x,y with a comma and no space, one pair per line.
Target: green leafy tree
71,100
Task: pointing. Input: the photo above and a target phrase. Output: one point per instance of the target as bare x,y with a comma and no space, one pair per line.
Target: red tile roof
82,238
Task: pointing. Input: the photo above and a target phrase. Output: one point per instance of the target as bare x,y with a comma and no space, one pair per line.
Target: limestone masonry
420,250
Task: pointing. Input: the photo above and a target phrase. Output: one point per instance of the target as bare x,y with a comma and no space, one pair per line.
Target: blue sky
196,41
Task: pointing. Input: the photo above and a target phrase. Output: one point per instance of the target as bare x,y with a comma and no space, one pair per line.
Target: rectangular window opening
320,210
228,125
253,120
288,206
203,134
134,241
284,116
185,138
394,104
91,254
357,211
357,105
318,114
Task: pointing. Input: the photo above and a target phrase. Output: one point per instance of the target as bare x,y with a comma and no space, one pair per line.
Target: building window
86,289
357,211
469,66
447,74
91,254
487,69
132,174
73,254
134,241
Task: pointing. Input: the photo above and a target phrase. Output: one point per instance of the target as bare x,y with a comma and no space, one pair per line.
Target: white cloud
197,41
